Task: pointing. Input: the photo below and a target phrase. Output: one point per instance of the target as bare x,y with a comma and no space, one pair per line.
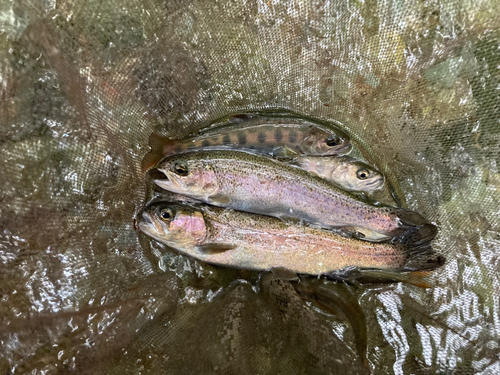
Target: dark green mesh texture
84,83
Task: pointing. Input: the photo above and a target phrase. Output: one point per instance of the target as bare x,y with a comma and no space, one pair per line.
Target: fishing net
83,84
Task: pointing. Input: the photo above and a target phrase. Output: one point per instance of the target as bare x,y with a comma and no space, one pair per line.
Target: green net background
84,83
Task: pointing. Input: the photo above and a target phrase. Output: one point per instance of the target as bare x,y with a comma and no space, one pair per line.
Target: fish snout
148,225
171,182
146,217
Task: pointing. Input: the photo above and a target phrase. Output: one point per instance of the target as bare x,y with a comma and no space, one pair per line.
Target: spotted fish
277,136
344,171
248,241
259,184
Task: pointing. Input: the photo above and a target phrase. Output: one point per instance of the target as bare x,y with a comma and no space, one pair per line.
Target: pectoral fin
215,248
220,199
284,152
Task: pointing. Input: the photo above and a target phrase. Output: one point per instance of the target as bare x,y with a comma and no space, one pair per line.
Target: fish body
279,136
242,240
261,185
344,171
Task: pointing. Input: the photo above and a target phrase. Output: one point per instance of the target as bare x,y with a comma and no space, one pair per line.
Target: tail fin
151,159
417,278
157,143
410,218
416,243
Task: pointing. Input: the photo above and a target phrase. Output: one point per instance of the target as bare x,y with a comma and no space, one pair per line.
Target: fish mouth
147,225
151,227
172,182
147,219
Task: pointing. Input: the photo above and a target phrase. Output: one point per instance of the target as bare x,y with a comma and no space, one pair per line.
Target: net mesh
84,83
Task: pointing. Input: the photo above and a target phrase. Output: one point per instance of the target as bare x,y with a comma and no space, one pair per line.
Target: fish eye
167,214
181,169
332,141
363,174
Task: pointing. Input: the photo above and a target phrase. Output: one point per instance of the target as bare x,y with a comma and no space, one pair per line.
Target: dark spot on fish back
226,139
292,136
278,135
178,149
261,137
242,138
205,143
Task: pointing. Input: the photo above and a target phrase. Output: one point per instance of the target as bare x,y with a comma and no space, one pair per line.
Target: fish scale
268,135
259,184
249,241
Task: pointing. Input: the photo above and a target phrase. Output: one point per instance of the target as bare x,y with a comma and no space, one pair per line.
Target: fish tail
410,218
417,245
150,160
417,278
158,144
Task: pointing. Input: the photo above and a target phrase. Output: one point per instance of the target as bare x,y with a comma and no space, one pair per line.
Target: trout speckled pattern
262,185
242,240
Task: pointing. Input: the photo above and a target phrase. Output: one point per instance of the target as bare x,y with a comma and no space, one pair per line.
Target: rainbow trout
262,185
277,136
248,241
345,172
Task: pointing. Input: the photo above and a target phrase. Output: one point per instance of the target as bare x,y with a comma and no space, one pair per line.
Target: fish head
359,176
193,177
174,225
326,142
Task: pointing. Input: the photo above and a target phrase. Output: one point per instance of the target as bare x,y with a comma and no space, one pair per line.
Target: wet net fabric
84,83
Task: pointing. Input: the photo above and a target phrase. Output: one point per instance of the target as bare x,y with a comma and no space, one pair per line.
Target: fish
256,242
344,171
278,136
262,185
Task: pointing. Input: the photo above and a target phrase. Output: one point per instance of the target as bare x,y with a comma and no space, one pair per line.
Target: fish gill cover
83,84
